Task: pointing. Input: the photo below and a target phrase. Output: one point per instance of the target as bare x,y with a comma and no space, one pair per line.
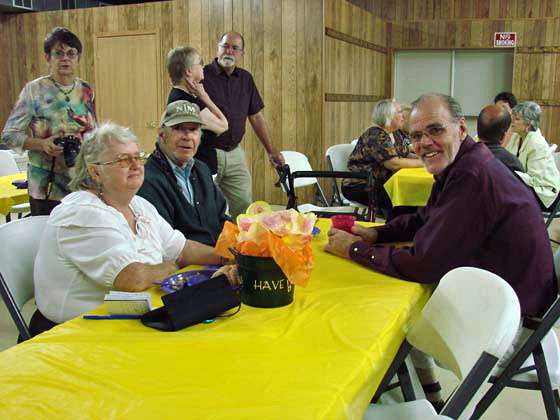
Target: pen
112,316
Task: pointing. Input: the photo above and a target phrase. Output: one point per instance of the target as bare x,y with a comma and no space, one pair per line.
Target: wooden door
128,82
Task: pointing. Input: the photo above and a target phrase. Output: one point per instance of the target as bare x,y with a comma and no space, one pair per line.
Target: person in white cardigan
532,149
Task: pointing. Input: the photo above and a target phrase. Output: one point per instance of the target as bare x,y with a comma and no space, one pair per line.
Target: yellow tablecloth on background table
9,194
410,187
322,357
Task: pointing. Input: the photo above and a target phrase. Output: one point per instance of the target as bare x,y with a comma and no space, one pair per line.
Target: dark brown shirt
372,149
237,96
479,215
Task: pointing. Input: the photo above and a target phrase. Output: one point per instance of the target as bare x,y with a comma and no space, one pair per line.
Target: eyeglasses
59,54
235,48
126,161
434,131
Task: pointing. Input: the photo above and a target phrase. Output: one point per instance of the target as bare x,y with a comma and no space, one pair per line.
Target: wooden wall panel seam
537,50
353,40
348,97
542,102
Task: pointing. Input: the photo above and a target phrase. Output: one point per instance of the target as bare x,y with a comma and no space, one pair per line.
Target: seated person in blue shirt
179,186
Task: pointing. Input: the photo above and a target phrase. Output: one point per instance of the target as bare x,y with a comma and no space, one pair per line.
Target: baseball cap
180,112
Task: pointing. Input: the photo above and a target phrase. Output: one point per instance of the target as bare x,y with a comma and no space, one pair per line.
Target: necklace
63,91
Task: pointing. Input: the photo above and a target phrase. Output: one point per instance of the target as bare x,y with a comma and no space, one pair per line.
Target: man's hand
276,158
368,235
50,148
340,242
231,273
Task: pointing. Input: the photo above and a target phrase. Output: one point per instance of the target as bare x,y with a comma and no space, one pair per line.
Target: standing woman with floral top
50,110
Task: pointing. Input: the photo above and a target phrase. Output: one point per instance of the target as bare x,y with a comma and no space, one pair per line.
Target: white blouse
85,246
541,172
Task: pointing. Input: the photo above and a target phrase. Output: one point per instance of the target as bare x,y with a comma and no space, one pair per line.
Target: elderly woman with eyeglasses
383,149
49,119
531,148
103,236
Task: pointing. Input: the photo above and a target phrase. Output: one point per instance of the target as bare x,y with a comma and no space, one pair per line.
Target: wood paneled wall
356,58
283,52
399,10
443,24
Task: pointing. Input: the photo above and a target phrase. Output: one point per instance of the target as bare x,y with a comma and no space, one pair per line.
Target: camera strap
50,181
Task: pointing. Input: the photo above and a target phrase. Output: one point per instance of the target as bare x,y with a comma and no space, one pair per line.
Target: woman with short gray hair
185,68
532,149
103,236
383,149
50,119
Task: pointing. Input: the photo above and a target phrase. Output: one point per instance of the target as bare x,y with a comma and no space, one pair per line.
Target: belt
227,147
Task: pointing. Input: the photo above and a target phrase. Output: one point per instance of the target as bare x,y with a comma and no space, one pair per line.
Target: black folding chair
533,346
286,180
552,214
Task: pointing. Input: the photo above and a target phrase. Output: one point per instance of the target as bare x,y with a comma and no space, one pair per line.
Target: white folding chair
19,242
467,325
8,166
337,160
353,142
298,162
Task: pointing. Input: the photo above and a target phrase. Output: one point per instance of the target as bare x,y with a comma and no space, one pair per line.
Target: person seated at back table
103,237
492,124
178,185
184,65
508,101
478,214
383,149
531,148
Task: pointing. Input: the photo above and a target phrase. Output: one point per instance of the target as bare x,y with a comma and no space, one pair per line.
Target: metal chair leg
544,384
406,383
489,398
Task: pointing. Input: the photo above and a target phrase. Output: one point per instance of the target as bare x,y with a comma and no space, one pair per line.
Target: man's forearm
136,277
259,126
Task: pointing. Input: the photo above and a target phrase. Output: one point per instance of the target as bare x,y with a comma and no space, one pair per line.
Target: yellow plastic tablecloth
9,194
410,187
322,357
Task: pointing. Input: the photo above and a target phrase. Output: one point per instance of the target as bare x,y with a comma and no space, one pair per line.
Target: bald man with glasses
234,91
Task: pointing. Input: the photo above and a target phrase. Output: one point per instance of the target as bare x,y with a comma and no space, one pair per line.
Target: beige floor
512,404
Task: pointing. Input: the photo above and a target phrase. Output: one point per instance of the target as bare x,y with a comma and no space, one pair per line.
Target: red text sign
505,39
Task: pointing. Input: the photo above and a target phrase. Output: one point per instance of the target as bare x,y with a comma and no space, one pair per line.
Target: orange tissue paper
283,235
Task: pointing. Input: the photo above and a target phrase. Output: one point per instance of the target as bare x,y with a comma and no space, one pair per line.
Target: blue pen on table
112,316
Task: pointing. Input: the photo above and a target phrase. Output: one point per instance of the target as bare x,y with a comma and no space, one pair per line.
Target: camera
71,145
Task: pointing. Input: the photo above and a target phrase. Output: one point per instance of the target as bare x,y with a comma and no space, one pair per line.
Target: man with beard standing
234,91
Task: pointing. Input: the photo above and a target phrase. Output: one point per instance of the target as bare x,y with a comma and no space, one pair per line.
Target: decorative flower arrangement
282,235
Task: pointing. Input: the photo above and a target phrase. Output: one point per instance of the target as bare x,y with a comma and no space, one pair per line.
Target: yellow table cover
410,187
9,194
322,357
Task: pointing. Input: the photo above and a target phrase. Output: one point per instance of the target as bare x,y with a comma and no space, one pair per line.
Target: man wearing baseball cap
179,186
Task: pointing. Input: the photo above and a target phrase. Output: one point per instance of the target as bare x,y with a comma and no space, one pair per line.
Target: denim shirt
183,175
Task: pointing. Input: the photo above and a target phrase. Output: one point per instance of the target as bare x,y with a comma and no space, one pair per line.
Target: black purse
193,304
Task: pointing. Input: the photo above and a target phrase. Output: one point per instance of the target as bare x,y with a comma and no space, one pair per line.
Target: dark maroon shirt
480,215
237,96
